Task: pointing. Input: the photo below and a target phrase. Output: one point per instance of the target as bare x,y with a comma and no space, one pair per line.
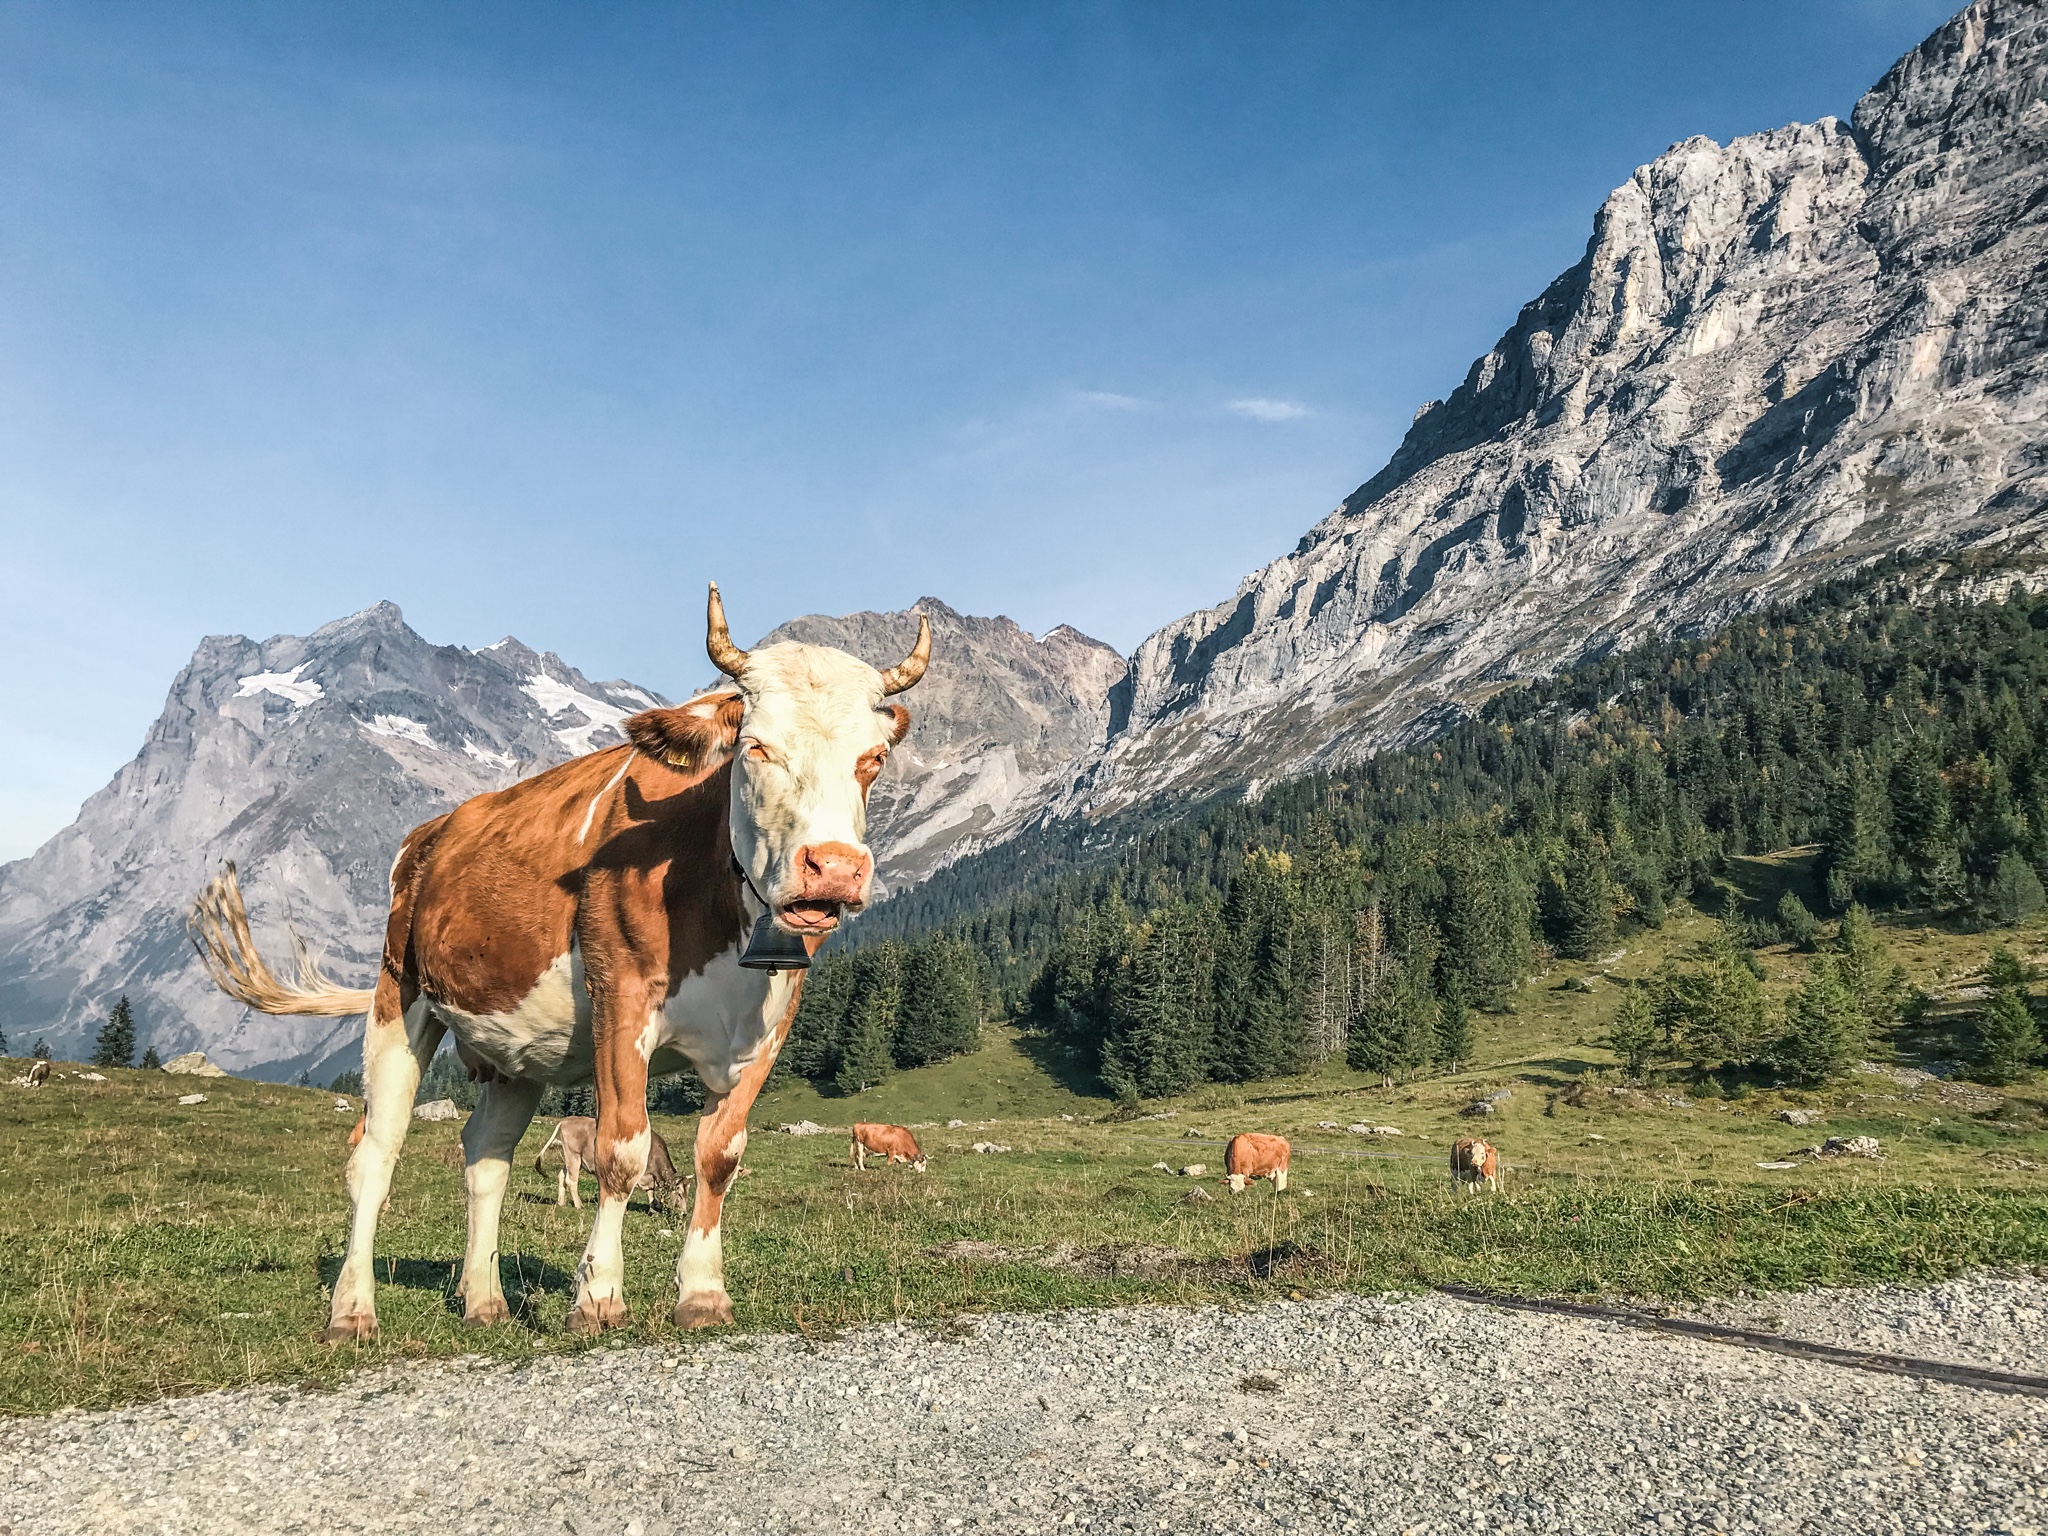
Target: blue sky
532,317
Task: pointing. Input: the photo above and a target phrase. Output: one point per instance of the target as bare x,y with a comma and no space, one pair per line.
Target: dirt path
1419,1415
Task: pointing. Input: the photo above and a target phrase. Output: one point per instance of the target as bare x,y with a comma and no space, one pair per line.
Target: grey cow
576,1135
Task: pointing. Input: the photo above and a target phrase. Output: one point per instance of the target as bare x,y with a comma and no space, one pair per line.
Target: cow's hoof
590,1318
356,1328
705,1309
486,1313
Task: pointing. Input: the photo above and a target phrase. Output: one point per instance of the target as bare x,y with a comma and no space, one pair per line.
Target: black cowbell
770,948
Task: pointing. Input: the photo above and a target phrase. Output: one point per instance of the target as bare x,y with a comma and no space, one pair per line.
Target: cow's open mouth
811,916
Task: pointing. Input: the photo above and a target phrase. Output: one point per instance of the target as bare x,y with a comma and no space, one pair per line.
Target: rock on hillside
998,713
1779,358
305,759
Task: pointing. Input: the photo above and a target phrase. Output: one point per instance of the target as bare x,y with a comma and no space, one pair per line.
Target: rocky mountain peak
1777,359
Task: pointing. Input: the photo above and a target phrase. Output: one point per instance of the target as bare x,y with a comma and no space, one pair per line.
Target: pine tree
941,1010
2015,893
1824,1032
1373,1045
3,1042
1453,1028
1421,1017
1723,1002
2008,1041
1260,1028
865,1048
1633,1034
115,1046
151,1062
1867,969
1586,900
1857,856
42,1050
1923,828
1157,1043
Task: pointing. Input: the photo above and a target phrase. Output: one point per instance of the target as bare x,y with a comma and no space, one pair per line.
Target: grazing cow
891,1143
1255,1156
38,1073
576,1135
1475,1163
591,924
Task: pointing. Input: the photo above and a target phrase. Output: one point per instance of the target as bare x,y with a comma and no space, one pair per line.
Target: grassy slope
148,1248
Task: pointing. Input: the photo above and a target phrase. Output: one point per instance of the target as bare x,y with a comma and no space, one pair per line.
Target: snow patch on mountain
557,699
286,685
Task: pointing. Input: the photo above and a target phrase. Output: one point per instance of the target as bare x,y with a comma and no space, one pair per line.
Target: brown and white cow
1256,1156
1475,1163
891,1143
576,1135
587,925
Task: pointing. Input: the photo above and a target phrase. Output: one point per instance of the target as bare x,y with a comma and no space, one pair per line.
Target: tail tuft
219,926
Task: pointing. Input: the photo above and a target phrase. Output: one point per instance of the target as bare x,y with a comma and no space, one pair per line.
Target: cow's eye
870,765
758,753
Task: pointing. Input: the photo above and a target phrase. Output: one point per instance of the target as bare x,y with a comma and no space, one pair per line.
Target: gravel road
1342,1413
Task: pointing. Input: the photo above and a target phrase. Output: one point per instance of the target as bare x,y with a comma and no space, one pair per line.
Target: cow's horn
911,668
726,656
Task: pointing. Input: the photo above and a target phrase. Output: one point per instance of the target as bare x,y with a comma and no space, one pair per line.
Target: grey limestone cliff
1779,358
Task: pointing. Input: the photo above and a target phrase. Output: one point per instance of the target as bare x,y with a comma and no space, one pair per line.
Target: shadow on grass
1065,1064
525,1278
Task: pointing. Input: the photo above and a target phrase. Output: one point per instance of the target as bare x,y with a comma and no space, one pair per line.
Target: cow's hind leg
503,1111
397,1045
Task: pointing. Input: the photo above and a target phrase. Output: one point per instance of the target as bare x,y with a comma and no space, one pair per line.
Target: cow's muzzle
826,878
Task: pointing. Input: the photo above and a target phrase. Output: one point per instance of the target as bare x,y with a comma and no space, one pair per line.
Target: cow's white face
814,736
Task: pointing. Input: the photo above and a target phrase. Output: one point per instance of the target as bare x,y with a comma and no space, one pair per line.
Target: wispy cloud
1270,410
1109,400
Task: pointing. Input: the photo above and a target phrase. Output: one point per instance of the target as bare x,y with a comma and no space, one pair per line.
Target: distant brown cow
1473,1163
38,1073
1255,1156
576,1135
892,1143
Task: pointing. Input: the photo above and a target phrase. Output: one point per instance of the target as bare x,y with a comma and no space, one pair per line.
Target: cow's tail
219,926
553,1136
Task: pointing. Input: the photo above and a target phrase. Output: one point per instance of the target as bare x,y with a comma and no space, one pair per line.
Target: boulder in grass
437,1109
192,1064
193,1098
802,1128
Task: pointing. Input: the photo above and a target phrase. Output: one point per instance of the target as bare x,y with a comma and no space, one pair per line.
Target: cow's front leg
503,1111
701,1301
624,1138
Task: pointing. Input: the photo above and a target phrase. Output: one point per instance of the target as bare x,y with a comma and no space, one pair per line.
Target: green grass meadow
148,1248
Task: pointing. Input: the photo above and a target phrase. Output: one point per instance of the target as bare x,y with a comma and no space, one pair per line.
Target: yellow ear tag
677,759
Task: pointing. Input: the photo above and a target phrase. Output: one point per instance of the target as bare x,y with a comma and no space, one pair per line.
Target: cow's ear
695,736
901,727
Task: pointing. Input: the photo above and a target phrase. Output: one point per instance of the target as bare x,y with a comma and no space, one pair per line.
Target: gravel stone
1368,1414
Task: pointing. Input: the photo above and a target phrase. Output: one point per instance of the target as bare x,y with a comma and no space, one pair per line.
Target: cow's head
808,732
